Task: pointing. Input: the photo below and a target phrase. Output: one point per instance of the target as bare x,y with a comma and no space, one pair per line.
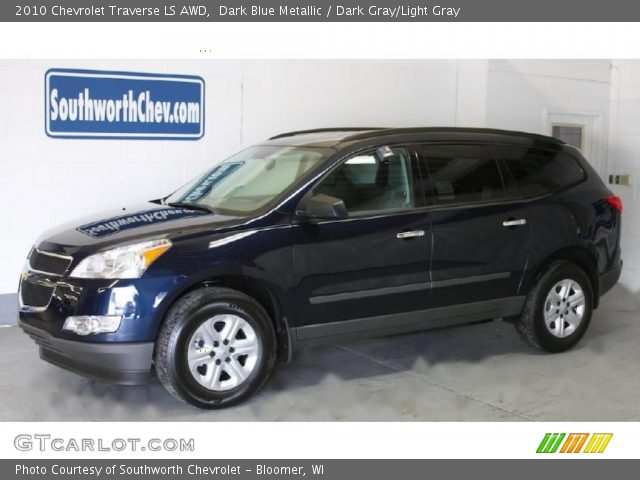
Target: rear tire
216,348
558,308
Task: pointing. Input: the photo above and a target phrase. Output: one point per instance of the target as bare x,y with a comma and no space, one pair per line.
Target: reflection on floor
476,373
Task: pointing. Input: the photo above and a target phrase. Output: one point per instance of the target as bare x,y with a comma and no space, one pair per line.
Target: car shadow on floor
471,343
359,364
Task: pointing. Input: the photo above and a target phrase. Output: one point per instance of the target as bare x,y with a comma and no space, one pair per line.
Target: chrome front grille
50,263
37,285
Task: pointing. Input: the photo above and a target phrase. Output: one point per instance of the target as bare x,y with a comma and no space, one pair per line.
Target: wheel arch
584,259
256,289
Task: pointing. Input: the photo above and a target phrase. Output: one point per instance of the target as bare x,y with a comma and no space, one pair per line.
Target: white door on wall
580,130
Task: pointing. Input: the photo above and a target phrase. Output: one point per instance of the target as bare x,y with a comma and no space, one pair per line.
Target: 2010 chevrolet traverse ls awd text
320,235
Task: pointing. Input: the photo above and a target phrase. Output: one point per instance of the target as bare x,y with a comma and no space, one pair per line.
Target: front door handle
514,223
410,234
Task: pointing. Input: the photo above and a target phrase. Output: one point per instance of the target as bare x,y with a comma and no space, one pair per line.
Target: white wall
540,88
45,181
624,158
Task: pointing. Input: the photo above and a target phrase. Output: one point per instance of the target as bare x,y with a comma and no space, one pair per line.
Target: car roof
346,136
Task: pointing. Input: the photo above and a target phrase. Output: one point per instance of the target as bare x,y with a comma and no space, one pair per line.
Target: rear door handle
514,223
411,234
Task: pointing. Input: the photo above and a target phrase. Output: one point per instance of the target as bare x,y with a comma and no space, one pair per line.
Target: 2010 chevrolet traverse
320,235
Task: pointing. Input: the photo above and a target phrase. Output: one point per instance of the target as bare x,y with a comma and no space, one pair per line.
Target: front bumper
122,363
140,302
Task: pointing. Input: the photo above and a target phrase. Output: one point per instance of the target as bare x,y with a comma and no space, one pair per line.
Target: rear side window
461,174
536,171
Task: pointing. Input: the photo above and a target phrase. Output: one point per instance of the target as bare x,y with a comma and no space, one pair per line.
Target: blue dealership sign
117,105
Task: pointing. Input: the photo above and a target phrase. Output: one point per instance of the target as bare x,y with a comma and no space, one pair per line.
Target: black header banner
319,11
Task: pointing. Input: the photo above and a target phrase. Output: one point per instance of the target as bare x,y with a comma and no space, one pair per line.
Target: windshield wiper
192,206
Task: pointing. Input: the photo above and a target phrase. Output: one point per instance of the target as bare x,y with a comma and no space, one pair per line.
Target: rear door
480,238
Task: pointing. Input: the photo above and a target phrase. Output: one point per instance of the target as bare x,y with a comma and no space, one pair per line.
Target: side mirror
322,206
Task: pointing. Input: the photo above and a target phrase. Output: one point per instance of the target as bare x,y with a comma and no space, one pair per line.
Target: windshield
250,180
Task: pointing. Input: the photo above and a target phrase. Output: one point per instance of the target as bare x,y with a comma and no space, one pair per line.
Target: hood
125,225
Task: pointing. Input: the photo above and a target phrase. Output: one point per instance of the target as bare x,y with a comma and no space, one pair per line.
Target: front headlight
130,261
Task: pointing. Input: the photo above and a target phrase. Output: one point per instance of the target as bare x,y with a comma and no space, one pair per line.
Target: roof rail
320,130
398,131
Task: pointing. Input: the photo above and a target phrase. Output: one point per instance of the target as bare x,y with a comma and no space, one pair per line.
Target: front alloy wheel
223,352
216,348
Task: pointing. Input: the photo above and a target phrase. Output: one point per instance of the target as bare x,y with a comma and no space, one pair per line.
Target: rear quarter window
532,171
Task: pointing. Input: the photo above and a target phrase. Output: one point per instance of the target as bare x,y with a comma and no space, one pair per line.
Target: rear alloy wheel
217,347
558,308
564,308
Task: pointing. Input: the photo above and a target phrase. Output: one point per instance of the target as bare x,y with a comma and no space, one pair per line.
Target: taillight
615,202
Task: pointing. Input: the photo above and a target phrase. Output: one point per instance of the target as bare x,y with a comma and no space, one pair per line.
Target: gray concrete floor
475,373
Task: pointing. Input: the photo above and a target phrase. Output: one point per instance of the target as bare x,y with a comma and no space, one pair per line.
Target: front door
367,272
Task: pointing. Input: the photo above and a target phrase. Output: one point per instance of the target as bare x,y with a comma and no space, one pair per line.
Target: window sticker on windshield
214,176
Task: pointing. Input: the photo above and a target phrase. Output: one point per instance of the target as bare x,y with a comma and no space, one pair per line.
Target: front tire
216,348
558,308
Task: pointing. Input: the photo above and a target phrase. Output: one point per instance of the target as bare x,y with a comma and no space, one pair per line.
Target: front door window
378,180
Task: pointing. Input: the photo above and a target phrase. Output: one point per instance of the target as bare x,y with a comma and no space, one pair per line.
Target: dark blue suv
320,235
